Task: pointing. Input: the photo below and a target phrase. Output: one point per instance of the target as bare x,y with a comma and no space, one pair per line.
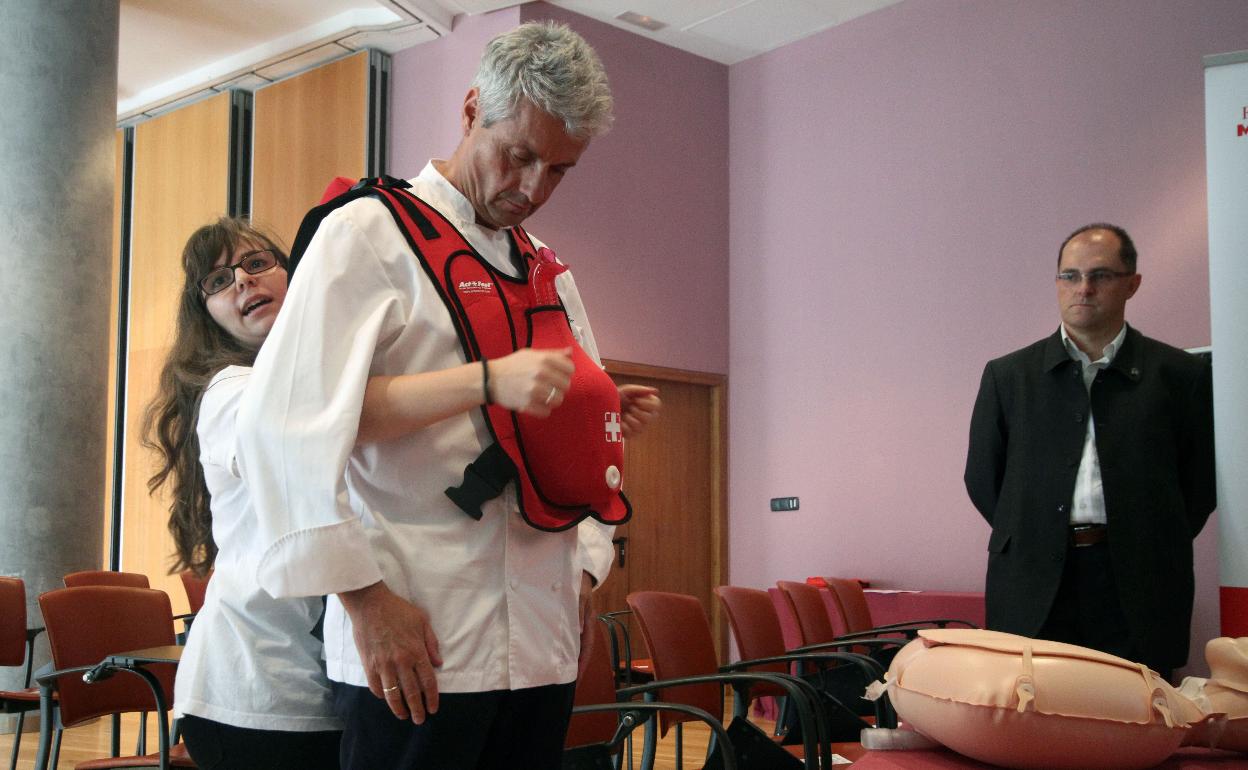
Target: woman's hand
531,381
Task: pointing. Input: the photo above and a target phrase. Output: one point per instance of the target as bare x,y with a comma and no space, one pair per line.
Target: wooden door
674,477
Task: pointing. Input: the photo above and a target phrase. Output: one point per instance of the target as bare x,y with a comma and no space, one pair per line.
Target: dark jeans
485,730
217,746
1087,612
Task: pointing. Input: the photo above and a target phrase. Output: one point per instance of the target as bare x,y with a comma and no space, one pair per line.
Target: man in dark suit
1091,455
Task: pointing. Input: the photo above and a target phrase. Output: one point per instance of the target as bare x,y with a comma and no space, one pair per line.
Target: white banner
1226,151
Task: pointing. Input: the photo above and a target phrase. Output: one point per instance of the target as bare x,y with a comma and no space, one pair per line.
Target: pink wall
899,187
643,219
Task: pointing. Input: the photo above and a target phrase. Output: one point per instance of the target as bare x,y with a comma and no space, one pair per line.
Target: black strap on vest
361,189
485,478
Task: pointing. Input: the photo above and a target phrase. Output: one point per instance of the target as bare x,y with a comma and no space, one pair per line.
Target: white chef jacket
501,596
251,660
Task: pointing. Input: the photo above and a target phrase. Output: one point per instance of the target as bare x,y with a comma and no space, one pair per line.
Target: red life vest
566,466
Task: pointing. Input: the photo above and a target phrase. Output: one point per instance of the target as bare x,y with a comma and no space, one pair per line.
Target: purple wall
880,206
643,219
899,187
429,85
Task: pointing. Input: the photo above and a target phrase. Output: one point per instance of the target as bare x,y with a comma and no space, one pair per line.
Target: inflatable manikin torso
1224,696
1027,703
567,466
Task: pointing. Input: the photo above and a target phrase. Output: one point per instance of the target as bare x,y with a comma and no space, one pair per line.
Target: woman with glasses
251,688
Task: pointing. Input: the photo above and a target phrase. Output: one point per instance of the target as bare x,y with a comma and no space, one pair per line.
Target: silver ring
551,394
388,690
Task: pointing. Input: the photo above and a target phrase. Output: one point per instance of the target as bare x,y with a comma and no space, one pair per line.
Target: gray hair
551,66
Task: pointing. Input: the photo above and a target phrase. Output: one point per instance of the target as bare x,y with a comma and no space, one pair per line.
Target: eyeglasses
1098,277
252,263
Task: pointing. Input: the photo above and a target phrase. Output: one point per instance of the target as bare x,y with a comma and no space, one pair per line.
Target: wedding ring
551,394
388,690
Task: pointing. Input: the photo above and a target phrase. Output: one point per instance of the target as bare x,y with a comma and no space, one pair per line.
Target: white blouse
502,596
251,660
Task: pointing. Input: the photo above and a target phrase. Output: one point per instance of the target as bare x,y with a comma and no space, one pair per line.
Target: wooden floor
92,741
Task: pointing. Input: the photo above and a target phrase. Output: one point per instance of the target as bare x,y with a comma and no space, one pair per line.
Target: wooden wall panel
308,129
181,181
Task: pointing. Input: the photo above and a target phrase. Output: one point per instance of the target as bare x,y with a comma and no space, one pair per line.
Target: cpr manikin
1028,703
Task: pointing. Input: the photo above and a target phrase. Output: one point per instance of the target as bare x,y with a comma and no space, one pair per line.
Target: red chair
806,603
628,669
756,629
17,646
602,726
196,587
86,624
678,636
106,577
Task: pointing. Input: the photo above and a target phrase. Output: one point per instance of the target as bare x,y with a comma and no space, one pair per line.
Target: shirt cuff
319,561
594,550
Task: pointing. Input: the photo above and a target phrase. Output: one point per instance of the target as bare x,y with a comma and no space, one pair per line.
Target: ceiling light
641,20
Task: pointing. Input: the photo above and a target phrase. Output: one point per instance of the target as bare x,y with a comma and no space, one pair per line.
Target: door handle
621,546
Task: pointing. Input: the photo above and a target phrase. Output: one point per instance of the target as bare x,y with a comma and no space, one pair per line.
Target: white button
556,586
613,477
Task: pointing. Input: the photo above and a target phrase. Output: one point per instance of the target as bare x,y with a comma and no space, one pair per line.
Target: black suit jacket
1154,438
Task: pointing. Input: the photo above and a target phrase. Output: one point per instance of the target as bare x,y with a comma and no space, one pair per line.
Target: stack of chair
17,647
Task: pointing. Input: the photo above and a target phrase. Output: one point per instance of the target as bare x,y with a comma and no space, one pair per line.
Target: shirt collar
1107,355
455,206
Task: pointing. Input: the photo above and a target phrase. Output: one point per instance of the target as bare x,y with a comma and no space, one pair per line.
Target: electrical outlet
785,504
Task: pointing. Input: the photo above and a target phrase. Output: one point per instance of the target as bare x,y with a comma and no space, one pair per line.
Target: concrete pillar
58,94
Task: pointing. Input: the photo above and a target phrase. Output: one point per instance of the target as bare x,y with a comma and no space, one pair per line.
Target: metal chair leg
17,740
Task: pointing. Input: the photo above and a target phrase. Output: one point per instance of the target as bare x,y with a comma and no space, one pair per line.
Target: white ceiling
175,50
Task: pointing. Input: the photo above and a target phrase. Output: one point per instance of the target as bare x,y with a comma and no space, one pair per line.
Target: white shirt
251,660
502,596
1088,503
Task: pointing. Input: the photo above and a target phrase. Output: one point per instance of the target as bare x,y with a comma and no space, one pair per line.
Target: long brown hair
201,348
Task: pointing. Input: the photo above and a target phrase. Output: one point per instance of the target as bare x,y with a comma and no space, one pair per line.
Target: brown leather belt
1087,534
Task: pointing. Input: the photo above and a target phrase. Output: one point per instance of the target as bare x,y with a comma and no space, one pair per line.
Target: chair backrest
196,587
791,631
678,636
754,623
594,685
12,621
87,623
853,603
812,616
106,577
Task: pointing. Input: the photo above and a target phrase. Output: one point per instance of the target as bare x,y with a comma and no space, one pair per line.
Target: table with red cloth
888,606
942,759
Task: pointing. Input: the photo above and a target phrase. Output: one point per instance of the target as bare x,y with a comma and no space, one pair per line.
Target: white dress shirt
251,660
502,596
1088,503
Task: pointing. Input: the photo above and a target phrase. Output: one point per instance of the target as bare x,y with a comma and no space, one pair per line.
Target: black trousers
521,729
1087,612
217,746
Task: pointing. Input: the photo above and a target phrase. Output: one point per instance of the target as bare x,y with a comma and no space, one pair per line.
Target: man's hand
531,381
398,649
639,405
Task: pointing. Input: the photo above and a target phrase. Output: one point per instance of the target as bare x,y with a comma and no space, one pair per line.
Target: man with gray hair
451,641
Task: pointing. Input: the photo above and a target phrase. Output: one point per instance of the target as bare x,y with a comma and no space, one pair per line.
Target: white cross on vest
613,427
